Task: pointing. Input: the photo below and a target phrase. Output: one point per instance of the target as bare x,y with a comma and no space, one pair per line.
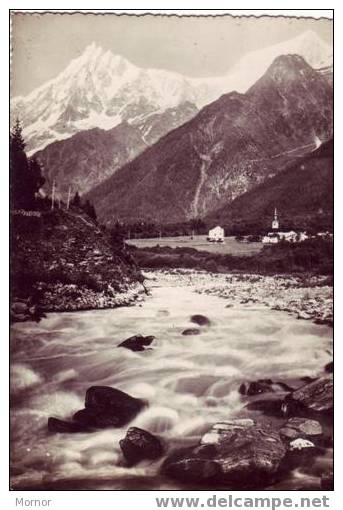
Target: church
276,235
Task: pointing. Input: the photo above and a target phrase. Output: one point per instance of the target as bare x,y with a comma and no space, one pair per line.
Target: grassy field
230,247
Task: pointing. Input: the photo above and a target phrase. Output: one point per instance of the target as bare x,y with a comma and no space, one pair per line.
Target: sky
44,44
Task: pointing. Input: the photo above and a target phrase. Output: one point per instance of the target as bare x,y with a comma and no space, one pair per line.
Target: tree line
26,178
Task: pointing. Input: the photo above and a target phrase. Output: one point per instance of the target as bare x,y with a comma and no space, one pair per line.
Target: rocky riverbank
309,298
63,261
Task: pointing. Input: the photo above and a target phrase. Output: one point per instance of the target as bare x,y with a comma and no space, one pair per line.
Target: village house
216,235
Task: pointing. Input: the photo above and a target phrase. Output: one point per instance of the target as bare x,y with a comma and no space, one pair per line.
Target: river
190,382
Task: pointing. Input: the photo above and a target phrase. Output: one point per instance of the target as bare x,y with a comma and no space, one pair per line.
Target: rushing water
190,381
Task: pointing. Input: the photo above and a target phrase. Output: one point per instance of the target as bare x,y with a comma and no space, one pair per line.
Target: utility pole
68,200
53,195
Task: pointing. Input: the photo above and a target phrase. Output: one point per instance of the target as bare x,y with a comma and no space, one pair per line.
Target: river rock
329,367
271,407
326,482
112,405
301,428
190,465
105,407
300,444
56,425
139,444
300,452
19,307
97,419
237,453
223,431
201,320
315,397
263,386
191,331
137,342
256,387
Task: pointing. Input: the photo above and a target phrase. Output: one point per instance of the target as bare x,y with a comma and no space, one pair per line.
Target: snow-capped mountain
100,89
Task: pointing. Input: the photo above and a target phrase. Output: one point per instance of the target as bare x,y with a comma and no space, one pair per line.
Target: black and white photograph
171,252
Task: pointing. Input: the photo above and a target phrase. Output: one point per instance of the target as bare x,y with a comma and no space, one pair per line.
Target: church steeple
275,223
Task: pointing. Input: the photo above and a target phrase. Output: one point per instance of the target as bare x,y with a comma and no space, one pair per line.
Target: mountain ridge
230,146
99,89
303,194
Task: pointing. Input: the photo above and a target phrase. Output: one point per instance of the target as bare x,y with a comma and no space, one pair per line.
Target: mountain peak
92,51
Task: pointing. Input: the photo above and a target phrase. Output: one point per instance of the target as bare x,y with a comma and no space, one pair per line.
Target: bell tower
275,222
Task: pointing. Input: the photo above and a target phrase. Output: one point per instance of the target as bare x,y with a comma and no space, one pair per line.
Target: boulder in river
315,397
109,401
104,407
57,425
191,331
97,419
139,444
201,320
237,453
137,343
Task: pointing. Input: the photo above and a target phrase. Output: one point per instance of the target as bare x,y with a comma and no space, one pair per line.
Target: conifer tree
23,182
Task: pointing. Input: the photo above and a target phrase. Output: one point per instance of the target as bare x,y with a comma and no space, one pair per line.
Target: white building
216,235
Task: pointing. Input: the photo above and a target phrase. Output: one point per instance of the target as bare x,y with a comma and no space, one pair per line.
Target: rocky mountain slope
301,193
232,145
62,261
100,89
89,157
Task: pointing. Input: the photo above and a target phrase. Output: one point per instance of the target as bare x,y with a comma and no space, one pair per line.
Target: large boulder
315,397
139,444
237,453
137,343
104,407
110,402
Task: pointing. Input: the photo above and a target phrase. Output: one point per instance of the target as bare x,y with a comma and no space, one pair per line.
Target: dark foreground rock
237,453
201,320
315,397
104,407
139,444
137,343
